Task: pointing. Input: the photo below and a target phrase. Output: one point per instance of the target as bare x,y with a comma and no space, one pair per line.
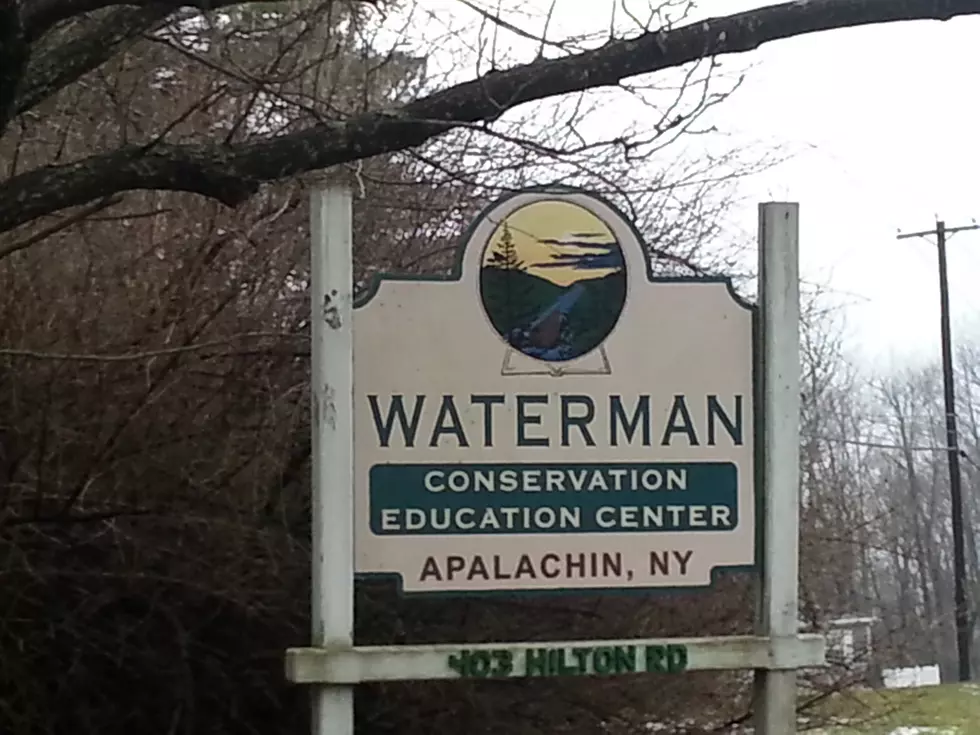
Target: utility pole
964,632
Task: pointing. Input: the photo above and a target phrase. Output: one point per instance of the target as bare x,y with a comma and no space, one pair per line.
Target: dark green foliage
514,297
154,504
596,313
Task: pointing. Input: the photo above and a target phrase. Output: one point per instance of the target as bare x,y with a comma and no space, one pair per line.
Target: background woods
154,348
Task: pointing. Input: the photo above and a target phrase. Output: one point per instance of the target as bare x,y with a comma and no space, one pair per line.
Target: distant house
849,647
849,641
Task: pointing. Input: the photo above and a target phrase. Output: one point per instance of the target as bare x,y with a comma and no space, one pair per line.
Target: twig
67,222
103,515
145,355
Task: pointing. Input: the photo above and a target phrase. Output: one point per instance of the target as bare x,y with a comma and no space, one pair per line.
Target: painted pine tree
507,260
506,257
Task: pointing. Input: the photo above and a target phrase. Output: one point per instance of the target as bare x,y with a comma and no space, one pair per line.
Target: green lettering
624,659
536,662
504,660
480,664
566,668
676,658
602,660
553,656
459,662
655,659
582,659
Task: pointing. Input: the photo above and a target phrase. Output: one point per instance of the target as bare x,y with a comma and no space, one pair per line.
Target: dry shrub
154,433
155,496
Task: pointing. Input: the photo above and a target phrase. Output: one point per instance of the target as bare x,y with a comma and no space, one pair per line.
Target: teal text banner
462,499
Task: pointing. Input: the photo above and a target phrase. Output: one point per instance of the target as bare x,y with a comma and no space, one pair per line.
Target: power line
876,445
964,634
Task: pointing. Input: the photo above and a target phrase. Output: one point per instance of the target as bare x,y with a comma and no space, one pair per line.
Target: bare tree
153,421
897,493
154,439
50,47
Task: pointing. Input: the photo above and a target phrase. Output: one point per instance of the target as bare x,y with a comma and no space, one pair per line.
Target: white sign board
551,416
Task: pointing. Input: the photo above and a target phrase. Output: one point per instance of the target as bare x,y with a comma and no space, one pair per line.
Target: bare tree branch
231,174
52,70
65,223
146,354
40,16
503,23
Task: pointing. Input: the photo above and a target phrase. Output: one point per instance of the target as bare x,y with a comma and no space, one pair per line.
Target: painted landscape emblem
553,280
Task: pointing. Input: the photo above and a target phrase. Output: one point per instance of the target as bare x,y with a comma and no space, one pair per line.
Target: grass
950,709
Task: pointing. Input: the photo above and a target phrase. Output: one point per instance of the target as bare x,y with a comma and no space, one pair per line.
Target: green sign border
456,274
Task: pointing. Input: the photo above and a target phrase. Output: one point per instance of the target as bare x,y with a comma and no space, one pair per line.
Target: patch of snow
972,689
911,676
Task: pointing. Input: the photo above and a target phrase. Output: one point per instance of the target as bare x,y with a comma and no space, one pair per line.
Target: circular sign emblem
553,280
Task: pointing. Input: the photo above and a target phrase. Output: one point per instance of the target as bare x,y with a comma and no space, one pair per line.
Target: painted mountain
553,298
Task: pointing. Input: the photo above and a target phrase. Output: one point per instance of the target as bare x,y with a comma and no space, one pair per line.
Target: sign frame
455,274
333,665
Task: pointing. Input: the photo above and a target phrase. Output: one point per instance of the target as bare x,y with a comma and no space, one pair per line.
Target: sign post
331,392
779,298
551,417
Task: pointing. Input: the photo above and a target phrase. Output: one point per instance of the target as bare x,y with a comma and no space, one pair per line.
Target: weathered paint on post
779,294
332,446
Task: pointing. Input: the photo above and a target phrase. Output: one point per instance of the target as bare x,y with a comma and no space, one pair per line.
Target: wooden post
332,375
779,298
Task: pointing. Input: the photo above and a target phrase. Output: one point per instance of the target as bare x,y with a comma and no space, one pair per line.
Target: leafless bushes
155,448
154,438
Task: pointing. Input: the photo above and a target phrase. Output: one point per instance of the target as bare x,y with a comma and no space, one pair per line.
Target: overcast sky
882,122
888,116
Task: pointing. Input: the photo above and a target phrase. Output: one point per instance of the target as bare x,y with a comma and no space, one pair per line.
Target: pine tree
506,257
